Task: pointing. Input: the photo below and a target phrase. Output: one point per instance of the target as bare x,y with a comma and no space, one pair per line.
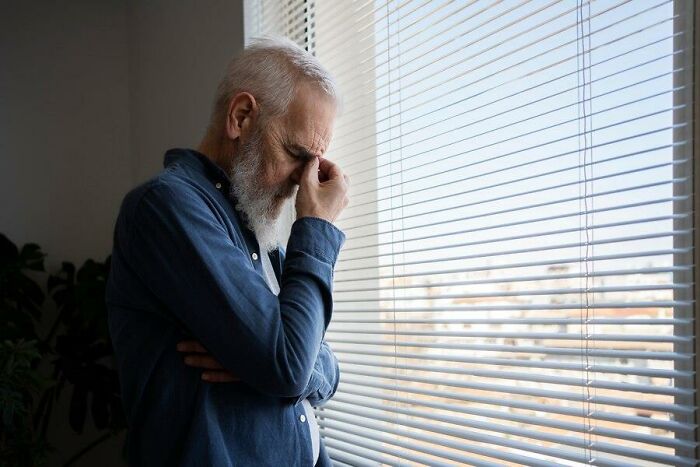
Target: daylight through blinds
516,287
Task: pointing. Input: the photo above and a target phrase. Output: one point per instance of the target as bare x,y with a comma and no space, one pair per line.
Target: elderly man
196,267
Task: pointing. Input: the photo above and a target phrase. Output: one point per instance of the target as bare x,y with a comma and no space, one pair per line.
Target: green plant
75,353
20,444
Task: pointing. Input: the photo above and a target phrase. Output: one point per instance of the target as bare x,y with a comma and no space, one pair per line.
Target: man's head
274,110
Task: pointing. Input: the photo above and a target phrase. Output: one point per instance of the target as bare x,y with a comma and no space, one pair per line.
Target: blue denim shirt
185,266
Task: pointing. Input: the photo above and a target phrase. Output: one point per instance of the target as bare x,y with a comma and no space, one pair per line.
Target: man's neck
217,151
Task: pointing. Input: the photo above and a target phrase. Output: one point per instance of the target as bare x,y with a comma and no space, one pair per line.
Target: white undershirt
271,280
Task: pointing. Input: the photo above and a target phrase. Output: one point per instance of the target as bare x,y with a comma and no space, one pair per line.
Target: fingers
219,377
206,362
330,170
310,173
191,346
322,177
214,371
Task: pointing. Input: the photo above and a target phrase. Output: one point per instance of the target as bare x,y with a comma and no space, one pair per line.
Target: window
517,283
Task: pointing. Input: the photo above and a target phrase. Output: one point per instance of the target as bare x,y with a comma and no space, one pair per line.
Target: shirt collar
202,163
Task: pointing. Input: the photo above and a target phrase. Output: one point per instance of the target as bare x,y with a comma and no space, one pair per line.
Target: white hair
270,68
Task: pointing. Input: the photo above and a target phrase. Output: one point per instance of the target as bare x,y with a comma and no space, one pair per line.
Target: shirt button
302,418
255,256
218,186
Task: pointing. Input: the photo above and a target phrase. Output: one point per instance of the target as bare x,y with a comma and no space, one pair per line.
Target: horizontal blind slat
529,278
519,376
518,49
354,385
543,306
647,220
543,321
541,189
491,440
356,36
501,71
512,196
517,293
351,437
595,368
600,446
343,123
349,403
340,423
530,220
526,391
531,335
559,246
544,350
566,136
436,135
360,440
510,266
378,64
353,456
352,132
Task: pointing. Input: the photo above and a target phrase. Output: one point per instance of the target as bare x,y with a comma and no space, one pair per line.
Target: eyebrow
301,151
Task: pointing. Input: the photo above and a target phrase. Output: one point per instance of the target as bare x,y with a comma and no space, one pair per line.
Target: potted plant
74,354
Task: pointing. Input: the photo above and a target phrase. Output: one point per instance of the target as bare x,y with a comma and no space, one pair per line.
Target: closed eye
292,154
301,155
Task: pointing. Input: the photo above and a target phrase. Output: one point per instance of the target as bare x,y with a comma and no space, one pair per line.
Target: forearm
270,342
324,379
283,360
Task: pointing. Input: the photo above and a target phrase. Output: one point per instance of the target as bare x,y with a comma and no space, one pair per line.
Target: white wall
178,52
91,95
64,124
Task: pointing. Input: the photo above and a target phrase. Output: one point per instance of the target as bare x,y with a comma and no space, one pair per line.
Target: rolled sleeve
324,379
316,236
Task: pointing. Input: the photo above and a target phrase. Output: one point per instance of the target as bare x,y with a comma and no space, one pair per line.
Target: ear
242,115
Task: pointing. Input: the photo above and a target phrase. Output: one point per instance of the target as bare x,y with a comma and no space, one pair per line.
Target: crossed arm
278,337
320,389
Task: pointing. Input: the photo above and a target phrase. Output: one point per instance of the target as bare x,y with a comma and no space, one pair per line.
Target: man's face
271,161
292,140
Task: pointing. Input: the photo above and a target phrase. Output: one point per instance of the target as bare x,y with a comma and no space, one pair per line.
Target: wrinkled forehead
309,120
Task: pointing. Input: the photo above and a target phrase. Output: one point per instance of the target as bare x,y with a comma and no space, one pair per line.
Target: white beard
269,221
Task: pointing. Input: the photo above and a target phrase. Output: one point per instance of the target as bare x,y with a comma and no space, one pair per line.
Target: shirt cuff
313,385
318,237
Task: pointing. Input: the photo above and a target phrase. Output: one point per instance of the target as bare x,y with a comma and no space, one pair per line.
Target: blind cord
400,230
583,48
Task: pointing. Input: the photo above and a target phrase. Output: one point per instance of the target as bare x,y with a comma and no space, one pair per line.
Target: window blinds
516,287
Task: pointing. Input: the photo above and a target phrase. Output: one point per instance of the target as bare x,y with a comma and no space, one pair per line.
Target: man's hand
198,357
322,191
